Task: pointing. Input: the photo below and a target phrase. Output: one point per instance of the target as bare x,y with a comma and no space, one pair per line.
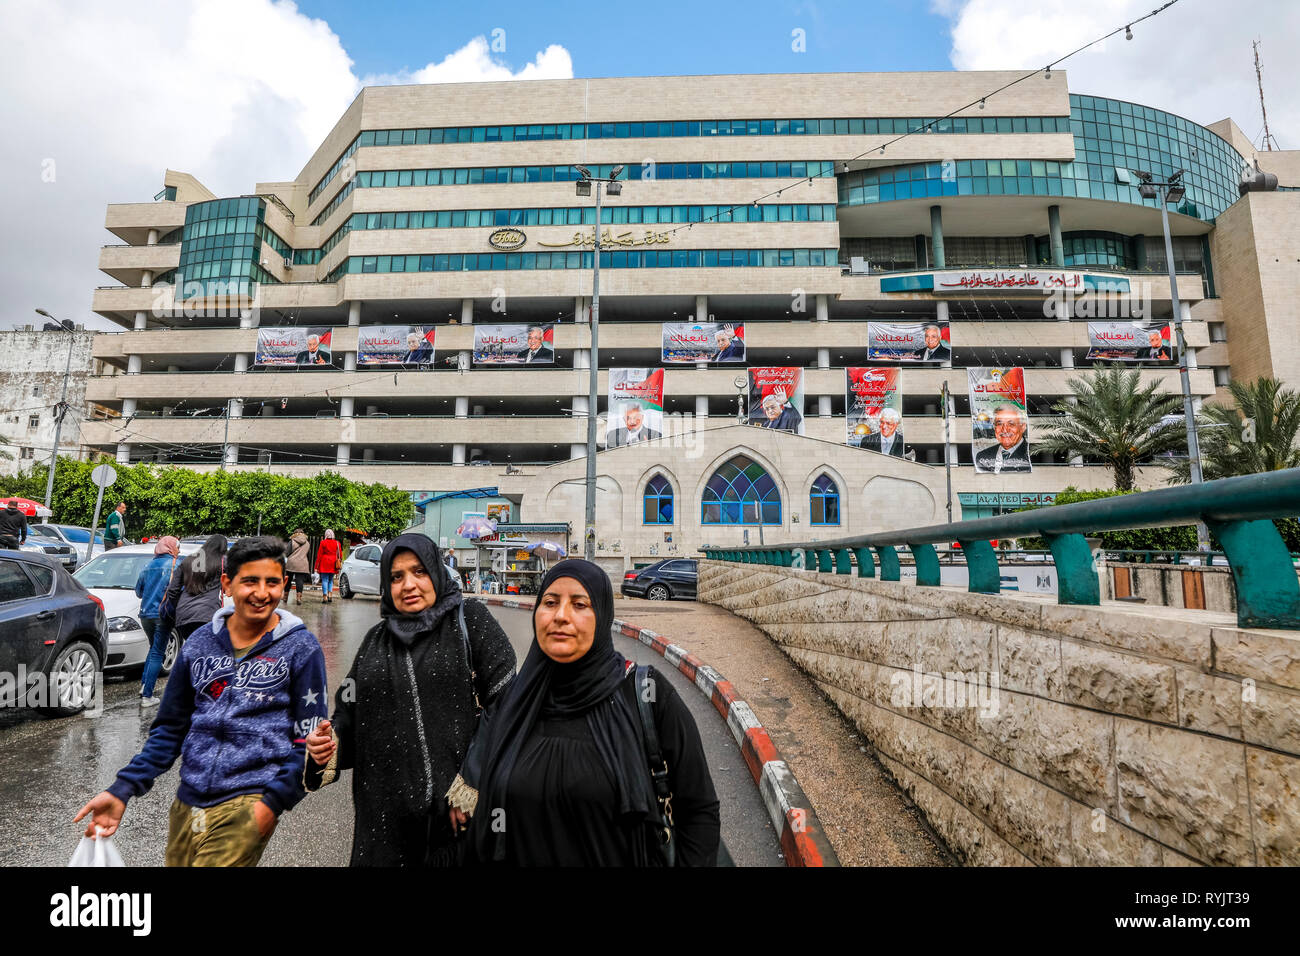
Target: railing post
824,562
981,567
889,569
927,565
843,562
866,566
1076,576
787,558
1268,594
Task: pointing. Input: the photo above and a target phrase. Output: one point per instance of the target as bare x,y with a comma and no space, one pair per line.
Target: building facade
797,212
32,367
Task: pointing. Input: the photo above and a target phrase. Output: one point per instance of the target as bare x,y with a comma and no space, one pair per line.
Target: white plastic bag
96,851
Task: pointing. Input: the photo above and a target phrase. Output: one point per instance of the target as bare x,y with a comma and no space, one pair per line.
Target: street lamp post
615,188
1167,192
62,408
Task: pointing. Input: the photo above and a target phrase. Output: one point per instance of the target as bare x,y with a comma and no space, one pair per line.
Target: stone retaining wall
1032,733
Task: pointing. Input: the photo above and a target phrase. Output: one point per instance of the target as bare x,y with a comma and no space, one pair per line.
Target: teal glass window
824,502
740,492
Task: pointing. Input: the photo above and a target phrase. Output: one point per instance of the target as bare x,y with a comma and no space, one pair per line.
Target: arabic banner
304,345
685,344
999,420
1129,342
408,345
776,398
514,345
910,342
873,400
636,406
1033,280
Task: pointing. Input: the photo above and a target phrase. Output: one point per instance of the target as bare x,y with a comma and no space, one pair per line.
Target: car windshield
81,536
42,531
112,570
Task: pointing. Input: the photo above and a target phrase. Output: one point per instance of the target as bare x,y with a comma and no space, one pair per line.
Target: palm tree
1227,446
1115,420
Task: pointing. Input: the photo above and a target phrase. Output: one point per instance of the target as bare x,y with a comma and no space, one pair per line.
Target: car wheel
345,591
72,679
657,592
169,655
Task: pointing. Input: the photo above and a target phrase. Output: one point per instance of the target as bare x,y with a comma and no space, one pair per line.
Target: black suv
49,625
663,580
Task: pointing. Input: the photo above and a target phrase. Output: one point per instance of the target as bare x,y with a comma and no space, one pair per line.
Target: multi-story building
803,207
32,368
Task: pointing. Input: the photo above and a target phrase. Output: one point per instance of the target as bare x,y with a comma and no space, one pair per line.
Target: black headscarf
407,627
547,689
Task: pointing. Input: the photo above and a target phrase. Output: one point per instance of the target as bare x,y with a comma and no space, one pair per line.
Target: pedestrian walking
150,588
328,556
13,526
298,564
194,593
561,774
250,686
115,527
405,714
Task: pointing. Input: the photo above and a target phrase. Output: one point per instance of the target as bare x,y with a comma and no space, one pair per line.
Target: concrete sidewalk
867,819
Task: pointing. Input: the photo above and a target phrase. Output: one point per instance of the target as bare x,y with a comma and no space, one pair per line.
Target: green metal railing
1238,511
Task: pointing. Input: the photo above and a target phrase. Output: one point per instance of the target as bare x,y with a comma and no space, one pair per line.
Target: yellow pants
221,835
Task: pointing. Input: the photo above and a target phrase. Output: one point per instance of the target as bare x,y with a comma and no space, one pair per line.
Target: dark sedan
54,630
663,580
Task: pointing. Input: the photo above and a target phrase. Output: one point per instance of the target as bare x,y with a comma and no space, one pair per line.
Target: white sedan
111,577
360,572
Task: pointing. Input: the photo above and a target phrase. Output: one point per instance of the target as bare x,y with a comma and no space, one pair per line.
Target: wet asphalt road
49,768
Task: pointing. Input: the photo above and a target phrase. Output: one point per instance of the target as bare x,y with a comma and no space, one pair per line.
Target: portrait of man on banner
999,420
874,404
636,406
776,398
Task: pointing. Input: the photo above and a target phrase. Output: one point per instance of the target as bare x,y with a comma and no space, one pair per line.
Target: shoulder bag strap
657,765
469,656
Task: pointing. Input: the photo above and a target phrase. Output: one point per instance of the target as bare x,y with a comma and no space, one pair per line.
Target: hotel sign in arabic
962,283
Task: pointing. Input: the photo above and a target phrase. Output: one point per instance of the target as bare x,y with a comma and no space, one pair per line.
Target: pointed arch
741,491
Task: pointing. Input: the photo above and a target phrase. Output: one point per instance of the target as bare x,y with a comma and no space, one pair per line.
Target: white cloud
233,91
1194,59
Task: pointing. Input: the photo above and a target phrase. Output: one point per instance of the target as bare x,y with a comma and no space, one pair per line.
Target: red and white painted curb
803,841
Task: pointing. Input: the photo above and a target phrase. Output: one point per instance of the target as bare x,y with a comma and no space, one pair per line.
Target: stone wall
1032,733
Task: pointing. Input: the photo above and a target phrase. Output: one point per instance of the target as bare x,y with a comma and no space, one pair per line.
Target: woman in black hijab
559,775
406,712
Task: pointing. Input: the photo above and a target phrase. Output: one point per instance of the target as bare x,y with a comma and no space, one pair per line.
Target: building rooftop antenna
1269,142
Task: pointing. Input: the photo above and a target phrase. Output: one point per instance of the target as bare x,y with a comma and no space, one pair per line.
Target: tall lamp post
62,408
1165,193
614,188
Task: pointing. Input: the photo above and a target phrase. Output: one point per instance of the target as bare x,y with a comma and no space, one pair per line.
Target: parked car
65,554
49,624
111,577
72,535
360,572
663,580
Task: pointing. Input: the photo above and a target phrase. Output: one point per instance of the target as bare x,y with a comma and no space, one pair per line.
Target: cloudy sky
100,98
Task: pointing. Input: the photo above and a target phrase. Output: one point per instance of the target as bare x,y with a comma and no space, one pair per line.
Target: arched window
740,492
658,501
824,501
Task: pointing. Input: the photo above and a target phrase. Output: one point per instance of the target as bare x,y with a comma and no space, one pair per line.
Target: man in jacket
13,526
249,688
115,527
538,350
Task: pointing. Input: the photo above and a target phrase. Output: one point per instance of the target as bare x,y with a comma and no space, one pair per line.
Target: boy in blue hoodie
246,691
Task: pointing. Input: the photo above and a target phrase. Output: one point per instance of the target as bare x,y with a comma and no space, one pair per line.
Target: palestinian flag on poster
999,418
636,406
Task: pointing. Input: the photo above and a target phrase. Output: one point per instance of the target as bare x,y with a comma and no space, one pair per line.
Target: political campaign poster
873,400
636,406
999,418
298,346
514,345
776,398
908,342
1129,342
688,343
407,345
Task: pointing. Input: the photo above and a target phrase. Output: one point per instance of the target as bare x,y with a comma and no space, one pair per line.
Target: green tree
1229,447
1115,420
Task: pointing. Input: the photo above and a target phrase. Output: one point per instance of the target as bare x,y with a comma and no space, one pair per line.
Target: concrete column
146,279
580,406
141,321
241,362
701,308
236,408
1054,228
465,357
462,407
701,406
133,364
232,455
349,361
173,368
268,411
458,454
343,455
941,314
1063,315
824,401
368,456
1067,358
123,453
466,311
128,407
478,412
354,313
346,406
936,235
580,314
245,320
372,410
1140,252
152,239
1031,250
823,309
